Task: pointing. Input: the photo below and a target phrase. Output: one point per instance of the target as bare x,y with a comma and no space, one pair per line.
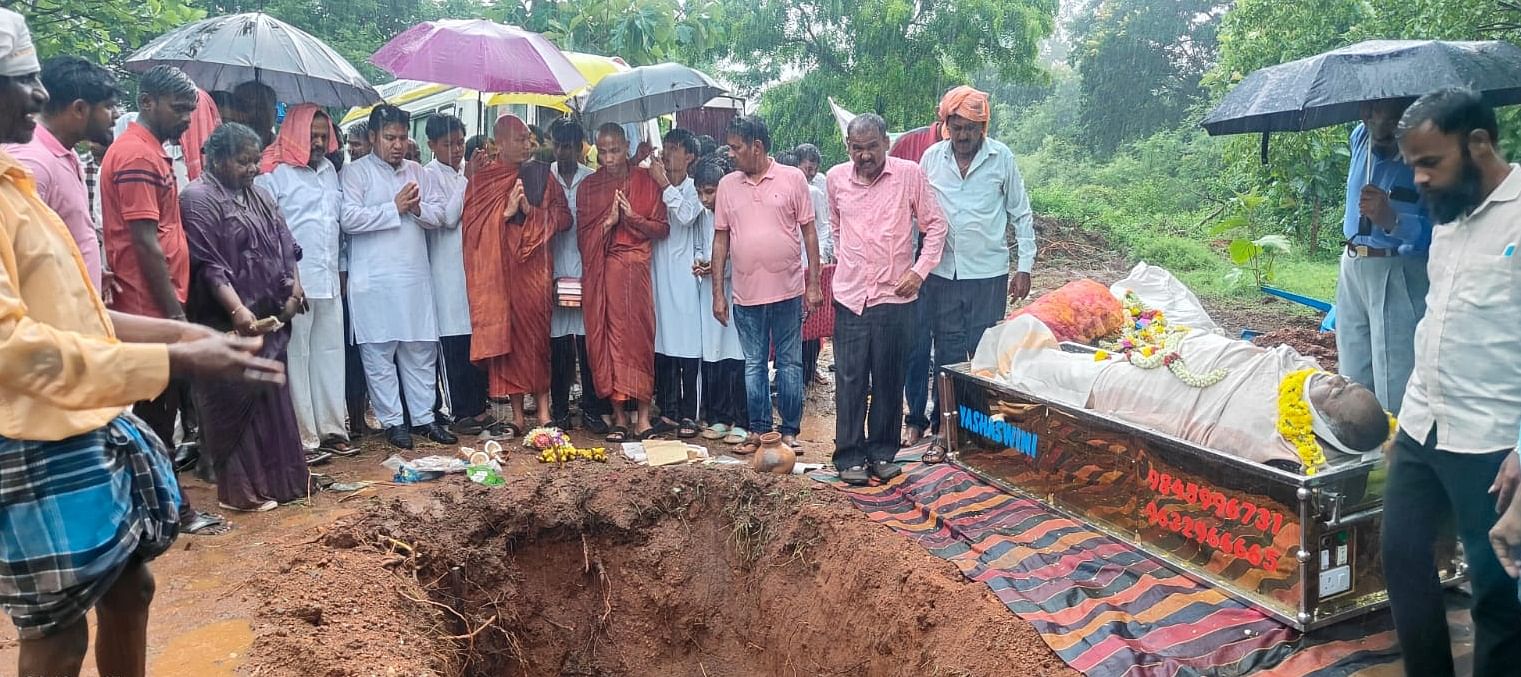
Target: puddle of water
214,650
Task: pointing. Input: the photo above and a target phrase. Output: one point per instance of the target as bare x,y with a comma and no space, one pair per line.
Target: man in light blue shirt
983,197
1381,289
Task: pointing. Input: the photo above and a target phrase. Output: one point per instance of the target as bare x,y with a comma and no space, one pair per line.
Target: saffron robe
618,295
508,274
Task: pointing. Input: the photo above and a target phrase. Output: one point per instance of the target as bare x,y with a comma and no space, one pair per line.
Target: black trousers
871,355
565,352
159,413
959,311
355,390
676,386
467,383
811,351
1425,488
723,393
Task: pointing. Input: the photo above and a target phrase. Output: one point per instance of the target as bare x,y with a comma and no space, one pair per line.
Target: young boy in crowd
723,358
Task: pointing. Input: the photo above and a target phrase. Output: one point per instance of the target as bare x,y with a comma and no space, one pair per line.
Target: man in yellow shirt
88,495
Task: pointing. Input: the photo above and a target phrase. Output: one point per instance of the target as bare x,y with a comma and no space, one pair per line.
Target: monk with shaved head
512,209
619,213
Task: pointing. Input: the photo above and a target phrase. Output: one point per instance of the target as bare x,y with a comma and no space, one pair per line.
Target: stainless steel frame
1266,536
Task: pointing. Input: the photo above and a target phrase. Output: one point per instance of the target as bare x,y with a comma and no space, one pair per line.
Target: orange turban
964,102
293,145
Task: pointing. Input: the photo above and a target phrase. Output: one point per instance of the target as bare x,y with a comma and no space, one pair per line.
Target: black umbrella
1330,88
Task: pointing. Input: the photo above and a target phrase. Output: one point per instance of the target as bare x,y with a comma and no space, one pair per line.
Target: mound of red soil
607,570
1309,342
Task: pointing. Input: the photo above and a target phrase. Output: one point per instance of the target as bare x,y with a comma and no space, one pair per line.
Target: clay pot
773,456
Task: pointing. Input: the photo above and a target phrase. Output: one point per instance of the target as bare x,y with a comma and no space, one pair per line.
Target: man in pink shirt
82,107
764,215
874,202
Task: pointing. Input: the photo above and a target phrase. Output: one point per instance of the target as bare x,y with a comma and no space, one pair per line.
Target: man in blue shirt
1381,290
983,197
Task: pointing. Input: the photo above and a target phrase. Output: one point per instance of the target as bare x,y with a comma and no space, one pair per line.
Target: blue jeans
760,327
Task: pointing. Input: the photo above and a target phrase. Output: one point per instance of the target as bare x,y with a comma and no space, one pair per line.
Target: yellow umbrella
591,66
400,93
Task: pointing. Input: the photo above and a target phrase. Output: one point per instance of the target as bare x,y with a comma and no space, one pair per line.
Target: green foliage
1250,250
1140,62
891,57
105,31
642,32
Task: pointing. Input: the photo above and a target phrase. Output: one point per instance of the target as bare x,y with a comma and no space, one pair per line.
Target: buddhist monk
618,214
512,209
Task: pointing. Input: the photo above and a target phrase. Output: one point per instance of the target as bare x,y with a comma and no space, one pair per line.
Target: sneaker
885,471
855,475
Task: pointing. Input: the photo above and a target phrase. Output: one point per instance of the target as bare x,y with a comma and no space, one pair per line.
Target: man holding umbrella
1381,290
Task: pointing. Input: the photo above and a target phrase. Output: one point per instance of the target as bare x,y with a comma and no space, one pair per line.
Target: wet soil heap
600,570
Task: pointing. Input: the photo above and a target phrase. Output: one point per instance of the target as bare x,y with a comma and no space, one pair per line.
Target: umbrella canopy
1330,88
649,91
591,66
481,55
223,52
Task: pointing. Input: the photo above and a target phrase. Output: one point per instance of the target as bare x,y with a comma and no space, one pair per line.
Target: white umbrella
223,52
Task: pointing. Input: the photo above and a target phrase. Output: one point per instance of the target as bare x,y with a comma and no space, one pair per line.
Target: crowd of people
198,276
193,276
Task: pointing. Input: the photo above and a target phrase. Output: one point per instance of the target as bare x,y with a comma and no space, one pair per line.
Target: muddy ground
598,569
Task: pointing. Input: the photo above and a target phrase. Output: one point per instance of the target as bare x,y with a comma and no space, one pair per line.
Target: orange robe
618,297
508,275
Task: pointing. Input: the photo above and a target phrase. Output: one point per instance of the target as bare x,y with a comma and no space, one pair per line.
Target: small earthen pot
773,456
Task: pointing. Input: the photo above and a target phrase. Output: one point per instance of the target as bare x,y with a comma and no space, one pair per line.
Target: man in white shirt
305,186
678,348
567,328
446,187
1457,427
390,288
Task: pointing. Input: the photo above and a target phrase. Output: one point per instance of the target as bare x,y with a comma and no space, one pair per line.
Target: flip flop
659,427
318,457
338,446
736,435
206,524
648,433
749,446
717,431
617,435
262,507
687,430
936,453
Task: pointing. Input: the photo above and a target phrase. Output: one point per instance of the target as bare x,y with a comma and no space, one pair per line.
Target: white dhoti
316,371
396,368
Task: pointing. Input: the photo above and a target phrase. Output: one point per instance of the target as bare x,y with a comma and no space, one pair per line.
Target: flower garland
1294,420
554,446
1148,342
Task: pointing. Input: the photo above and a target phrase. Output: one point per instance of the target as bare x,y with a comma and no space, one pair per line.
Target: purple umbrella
482,55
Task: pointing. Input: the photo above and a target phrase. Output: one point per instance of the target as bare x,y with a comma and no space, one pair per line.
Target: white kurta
820,226
567,256
676,290
446,259
308,199
719,342
390,288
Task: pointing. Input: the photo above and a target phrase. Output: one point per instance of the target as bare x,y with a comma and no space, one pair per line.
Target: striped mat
1104,607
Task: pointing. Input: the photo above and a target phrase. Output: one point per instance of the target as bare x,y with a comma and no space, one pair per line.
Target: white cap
17,54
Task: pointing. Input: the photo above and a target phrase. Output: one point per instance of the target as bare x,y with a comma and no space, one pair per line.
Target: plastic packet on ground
489,474
422,469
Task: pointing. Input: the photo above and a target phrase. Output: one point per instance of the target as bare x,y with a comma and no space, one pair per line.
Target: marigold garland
1294,420
1148,342
554,446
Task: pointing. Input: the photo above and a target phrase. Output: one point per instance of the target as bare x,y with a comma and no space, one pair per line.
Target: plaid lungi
74,513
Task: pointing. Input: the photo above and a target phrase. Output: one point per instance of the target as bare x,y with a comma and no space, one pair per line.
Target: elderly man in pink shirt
82,107
764,215
874,203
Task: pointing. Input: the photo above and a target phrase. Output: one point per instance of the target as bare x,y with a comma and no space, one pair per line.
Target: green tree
105,31
1141,62
892,57
642,32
